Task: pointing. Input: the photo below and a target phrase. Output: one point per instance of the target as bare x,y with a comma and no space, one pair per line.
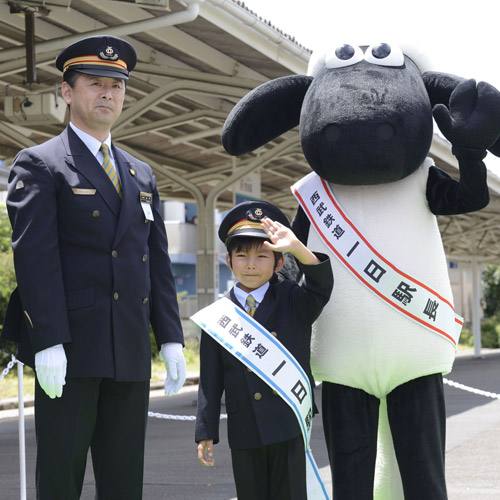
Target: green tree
491,290
5,230
490,326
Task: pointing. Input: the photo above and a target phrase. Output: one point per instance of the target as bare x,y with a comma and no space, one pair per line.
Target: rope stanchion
21,427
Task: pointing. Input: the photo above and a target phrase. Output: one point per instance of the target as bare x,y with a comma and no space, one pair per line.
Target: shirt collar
257,294
91,142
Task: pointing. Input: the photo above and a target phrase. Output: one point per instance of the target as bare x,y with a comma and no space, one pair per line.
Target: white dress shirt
257,294
94,145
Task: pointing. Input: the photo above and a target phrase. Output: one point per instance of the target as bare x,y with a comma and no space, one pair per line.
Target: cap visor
253,233
110,73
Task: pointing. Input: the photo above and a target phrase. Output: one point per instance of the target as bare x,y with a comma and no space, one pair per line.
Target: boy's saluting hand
283,239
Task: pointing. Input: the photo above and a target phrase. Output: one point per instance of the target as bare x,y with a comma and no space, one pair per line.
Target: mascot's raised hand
471,122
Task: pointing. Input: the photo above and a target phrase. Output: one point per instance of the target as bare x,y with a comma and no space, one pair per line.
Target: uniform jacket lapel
130,194
267,306
79,157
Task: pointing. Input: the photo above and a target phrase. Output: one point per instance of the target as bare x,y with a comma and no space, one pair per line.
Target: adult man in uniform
93,271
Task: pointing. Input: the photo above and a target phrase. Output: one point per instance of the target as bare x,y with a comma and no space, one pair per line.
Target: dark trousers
417,419
272,472
106,416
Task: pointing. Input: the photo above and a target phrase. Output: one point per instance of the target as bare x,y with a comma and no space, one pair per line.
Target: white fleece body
359,340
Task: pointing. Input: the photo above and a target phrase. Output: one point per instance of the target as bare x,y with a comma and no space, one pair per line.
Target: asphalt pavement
172,471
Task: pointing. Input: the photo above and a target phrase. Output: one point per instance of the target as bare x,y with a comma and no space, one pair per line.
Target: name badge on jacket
146,202
84,191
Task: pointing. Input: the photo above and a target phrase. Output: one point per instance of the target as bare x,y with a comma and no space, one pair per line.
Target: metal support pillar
29,23
476,305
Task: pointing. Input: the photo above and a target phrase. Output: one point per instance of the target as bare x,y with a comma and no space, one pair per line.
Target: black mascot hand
473,118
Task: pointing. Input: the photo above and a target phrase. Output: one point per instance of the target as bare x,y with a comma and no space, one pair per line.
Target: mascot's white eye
384,54
343,55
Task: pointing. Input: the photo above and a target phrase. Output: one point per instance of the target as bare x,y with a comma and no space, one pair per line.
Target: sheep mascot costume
389,332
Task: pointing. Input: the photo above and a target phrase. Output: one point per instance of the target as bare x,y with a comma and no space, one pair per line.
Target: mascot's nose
384,131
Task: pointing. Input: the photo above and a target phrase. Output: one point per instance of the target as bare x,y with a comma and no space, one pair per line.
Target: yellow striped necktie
110,169
251,304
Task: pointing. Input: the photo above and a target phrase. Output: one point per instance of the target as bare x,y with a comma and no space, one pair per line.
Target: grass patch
9,385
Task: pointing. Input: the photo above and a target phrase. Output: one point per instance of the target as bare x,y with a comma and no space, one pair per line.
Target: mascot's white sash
410,297
259,350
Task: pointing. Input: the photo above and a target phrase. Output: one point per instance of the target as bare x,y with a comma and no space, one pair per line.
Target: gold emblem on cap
257,214
109,54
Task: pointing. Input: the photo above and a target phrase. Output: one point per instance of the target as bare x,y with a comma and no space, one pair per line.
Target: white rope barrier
9,367
190,418
471,389
446,381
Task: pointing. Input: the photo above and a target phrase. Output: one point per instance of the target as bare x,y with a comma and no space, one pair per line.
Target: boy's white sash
259,350
410,297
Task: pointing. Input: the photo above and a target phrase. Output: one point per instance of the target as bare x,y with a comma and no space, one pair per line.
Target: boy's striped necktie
110,169
251,304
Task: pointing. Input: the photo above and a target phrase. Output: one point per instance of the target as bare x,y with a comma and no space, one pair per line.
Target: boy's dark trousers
272,472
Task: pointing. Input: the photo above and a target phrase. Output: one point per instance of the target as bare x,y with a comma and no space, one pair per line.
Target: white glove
173,357
50,368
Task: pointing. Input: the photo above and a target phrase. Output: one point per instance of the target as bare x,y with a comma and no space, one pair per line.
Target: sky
457,37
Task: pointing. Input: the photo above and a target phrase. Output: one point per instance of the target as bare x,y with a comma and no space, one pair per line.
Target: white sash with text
405,294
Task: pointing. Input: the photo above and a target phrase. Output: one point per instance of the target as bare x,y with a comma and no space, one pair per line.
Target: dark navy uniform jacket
256,416
92,272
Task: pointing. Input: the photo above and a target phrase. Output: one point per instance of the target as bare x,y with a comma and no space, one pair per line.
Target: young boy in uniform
264,435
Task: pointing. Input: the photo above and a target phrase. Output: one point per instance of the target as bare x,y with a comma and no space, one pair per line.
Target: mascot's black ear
439,88
266,112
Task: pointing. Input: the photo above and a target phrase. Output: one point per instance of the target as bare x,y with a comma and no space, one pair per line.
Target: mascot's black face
366,117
